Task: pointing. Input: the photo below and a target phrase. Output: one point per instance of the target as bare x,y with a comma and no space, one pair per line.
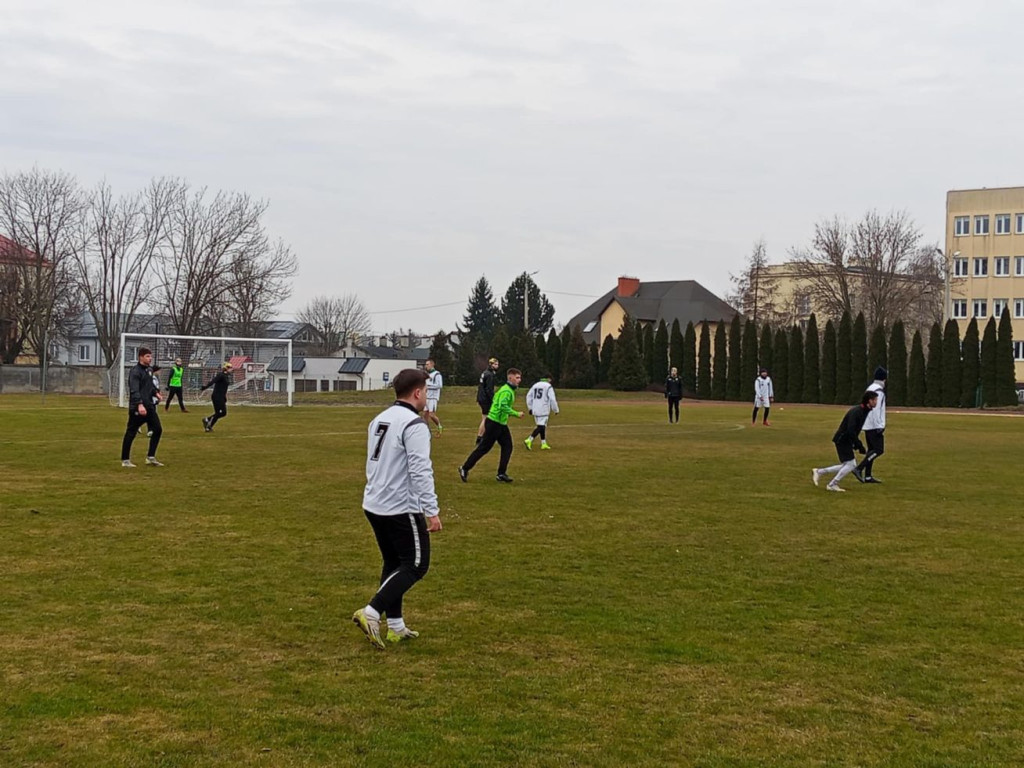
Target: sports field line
715,427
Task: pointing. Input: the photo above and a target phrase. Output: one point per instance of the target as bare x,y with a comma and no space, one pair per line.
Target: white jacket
434,383
763,391
540,400
876,416
399,474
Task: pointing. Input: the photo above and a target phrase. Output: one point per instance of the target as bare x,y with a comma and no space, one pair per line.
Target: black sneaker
464,474
859,475
503,479
872,480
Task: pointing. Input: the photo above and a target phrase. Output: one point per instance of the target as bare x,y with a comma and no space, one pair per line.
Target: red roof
12,253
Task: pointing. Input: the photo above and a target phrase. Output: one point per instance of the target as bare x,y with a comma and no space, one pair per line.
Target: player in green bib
496,428
174,385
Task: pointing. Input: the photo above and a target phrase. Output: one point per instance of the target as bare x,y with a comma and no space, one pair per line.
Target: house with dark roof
374,368
683,300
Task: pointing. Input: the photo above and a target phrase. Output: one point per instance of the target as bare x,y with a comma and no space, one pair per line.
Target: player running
219,398
541,402
496,429
847,439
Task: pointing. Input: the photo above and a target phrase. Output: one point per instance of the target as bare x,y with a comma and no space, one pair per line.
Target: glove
859,447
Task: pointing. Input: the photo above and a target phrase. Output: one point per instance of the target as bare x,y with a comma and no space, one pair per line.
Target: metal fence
62,379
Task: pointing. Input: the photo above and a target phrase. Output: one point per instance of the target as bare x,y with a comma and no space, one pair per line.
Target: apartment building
985,260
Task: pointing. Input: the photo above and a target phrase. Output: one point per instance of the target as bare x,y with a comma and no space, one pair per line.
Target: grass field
643,594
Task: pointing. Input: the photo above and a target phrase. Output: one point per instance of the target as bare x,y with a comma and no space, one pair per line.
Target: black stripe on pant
493,433
152,419
405,549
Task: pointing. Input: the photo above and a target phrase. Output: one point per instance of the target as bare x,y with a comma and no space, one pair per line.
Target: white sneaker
836,488
128,463
152,461
815,477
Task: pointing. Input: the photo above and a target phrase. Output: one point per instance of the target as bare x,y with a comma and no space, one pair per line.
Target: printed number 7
382,429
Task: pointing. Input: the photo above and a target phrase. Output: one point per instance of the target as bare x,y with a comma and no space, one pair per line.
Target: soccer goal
261,369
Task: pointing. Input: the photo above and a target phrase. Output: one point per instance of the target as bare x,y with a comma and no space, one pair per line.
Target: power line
415,309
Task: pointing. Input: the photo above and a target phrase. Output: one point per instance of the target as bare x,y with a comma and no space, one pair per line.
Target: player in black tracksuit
485,395
847,439
219,398
673,393
143,398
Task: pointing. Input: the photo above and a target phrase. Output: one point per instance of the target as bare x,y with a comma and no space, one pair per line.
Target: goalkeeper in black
219,398
400,504
143,398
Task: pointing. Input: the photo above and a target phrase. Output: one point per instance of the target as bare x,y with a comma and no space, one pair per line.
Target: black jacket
220,384
485,390
674,387
850,427
140,387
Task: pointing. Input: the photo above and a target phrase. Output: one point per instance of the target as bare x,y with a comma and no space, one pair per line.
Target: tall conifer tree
933,394
828,364
896,385
952,370
970,369
812,363
917,382
719,390
844,343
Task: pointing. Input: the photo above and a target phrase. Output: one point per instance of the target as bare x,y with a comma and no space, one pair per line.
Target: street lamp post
526,299
946,269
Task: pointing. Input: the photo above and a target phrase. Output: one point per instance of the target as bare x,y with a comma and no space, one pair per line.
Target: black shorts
484,409
876,440
844,450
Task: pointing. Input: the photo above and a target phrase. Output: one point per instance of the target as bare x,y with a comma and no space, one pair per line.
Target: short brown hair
513,372
145,351
408,380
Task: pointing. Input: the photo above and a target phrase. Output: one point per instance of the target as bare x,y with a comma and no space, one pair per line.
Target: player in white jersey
874,430
434,384
764,396
541,403
401,505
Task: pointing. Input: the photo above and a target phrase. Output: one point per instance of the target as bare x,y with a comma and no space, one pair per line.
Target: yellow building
985,260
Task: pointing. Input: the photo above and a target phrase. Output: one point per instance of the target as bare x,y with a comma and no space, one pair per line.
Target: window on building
1018,307
1019,266
960,268
1020,223
1002,223
325,385
803,304
1018,350
1002,266
981,267
998,305
131,353
960,308
83,353
980,308
962,226
981,225
590,326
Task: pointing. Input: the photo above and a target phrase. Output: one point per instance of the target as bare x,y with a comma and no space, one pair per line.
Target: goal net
261,369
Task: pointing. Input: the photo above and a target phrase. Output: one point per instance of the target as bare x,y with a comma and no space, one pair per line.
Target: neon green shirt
501,406
175,380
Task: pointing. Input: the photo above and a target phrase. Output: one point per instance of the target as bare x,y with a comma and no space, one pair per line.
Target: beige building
985,260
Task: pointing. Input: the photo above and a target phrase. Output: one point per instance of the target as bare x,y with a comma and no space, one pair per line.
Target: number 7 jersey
399,473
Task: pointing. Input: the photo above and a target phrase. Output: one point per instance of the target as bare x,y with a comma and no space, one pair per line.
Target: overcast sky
407,148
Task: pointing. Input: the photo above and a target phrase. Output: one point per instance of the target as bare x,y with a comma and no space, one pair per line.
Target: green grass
644,594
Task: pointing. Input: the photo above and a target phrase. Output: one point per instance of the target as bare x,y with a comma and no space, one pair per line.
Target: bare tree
40,215
115,269
877,266
335,319
754,288
204,240
258,281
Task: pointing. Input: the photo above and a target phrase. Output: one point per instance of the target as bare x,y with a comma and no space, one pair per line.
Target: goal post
262,370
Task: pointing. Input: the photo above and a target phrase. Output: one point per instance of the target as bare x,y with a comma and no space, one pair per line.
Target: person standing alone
143,398
496,429
874,430
673,393
435,381
174,386
541,403
219,398
764,396
400,504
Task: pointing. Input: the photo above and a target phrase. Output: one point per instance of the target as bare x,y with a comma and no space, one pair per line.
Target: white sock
846,469
830,470
396,624
371,613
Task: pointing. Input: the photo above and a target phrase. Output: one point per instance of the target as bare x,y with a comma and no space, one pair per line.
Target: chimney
628,286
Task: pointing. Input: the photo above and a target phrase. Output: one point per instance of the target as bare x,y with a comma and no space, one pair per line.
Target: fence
62,379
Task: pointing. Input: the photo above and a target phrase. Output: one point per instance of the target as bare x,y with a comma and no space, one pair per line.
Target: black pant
134,422
493,433
171,393
766,411
405,548
673,407
875,439
220,410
